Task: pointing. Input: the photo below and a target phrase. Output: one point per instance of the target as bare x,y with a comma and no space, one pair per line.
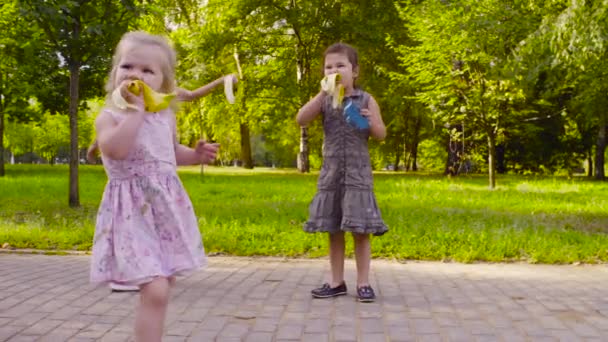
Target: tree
280,43
17,62
577,40
51,135
460,63
20,137
82,34
262,34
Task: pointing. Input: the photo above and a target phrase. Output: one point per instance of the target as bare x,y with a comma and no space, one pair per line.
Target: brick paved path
48,298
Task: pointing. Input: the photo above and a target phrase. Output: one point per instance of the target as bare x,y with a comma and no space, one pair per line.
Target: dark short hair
343,48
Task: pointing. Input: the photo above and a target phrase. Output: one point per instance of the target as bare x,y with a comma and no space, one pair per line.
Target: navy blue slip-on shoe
326,291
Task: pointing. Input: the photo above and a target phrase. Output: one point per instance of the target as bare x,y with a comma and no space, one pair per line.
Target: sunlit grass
261,212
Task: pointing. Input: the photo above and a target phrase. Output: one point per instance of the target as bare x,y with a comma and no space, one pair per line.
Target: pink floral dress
146,227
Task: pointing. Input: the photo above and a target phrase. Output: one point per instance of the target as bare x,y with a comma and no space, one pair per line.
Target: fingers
91,152
210,151
202,145
91,158
137,100
212,146
235,78
124,92
199,146
207,151
366,112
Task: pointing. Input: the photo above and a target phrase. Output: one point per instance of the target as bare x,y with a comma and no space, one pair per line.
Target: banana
120,101
331,85
228,91
153,101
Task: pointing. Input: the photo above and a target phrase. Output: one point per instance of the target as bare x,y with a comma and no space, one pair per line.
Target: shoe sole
363,300
329,296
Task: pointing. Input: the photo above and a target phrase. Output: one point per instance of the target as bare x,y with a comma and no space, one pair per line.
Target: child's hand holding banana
332,86
137,95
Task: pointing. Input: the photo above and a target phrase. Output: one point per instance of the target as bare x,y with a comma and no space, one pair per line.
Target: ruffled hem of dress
320,226
138,281
330,214
327,226
376,228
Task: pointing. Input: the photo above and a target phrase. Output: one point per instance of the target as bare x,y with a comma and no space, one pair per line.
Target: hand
184,94
92,153
367,114
136,100
207,151
235,78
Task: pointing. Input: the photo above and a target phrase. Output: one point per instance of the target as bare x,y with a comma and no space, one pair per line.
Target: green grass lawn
261,212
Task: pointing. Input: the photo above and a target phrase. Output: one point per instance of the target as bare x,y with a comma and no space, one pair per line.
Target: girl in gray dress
345,201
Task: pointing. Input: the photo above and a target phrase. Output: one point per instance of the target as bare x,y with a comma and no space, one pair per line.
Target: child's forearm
116,142
186,156
311,109
185,95
377,130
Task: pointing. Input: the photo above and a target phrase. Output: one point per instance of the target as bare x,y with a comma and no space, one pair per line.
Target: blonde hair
139,38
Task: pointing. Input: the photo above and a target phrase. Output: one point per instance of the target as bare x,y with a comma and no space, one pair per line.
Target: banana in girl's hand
153,101
332,86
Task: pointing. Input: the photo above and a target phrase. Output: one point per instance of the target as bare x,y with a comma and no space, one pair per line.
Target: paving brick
344,333
58,335
7,332
259,337
48,298
237,330
290,332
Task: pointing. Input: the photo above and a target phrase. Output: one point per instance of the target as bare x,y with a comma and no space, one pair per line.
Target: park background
495,110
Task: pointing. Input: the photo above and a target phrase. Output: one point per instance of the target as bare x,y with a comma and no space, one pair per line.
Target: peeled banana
153,101
331,85
228,91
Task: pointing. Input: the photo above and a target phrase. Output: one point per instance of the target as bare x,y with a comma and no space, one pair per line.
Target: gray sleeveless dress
345,199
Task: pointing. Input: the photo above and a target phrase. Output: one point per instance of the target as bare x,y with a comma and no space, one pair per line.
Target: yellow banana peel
332,86
153,101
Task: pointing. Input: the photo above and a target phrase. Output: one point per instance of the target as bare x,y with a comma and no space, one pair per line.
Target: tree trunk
414,156
246,147
302,73
492,159
415,143
303,161
397,158
74,200
500,159
246,157
454,149
590,164
600,149
202,136
2,172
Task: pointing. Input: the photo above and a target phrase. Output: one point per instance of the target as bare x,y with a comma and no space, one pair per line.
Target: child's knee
337,237
156,292
360,237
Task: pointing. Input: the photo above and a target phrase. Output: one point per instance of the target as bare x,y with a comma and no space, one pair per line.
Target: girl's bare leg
336,258
151,311
363,253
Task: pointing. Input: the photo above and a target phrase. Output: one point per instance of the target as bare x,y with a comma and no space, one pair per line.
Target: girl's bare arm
191,95
311,109
376,124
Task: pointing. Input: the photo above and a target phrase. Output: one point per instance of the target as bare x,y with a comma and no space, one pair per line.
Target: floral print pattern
146,226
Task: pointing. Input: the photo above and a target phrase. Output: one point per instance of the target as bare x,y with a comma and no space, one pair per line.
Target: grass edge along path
260,213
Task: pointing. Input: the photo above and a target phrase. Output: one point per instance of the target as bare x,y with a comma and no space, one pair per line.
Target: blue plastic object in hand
353,116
